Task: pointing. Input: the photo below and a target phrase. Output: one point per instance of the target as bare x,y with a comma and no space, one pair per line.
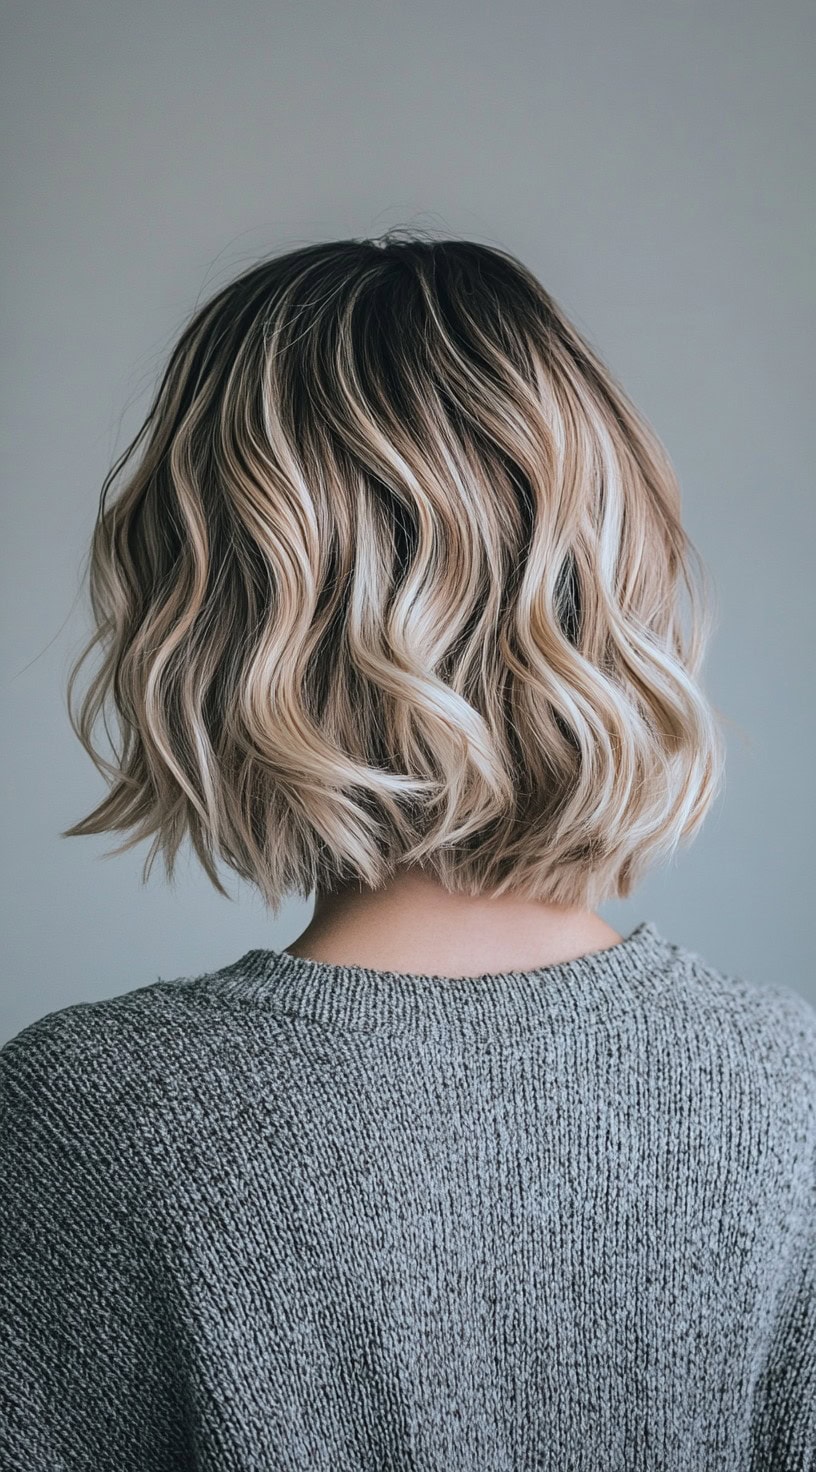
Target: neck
414,925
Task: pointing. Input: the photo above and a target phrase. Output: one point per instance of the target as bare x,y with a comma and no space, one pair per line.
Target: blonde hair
399,579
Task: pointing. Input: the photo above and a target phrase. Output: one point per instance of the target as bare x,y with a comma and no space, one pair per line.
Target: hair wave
397,578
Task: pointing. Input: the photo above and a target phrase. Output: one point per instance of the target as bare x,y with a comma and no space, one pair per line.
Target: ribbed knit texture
293,1215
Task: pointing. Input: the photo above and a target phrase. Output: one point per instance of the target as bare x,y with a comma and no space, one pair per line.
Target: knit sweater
293,1216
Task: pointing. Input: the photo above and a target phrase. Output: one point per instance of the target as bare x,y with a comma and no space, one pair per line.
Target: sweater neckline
364,998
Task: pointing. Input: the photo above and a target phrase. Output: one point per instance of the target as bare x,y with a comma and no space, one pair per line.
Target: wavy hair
397,578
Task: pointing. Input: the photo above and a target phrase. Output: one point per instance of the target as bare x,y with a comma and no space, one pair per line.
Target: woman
391,607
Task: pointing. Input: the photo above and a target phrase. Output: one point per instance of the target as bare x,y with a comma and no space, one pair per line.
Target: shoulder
774,1010
102,1096
113,1059
766,1031
85,1039
137,1065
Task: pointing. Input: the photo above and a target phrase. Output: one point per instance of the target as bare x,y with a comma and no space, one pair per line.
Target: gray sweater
292,1215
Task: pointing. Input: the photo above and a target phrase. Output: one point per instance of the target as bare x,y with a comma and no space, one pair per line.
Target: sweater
294,1216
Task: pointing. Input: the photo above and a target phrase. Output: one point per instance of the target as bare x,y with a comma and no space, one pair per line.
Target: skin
414,925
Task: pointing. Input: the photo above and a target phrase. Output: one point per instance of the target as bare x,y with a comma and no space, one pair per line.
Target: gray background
650,162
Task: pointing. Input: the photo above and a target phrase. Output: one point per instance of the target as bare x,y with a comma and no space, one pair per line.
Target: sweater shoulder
106,1051
771,1008
88,1031
768,1028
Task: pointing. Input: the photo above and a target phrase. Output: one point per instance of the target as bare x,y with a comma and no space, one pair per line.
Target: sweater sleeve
784,1419
86,1372
785,1404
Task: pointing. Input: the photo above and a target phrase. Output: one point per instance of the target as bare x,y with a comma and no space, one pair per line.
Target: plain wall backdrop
651,162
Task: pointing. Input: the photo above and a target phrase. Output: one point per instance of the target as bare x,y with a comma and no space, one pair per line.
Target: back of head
397,576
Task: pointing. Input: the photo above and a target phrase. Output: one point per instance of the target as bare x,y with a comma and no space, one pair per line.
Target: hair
399,579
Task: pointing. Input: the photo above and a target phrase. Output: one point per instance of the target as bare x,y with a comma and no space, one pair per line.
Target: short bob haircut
398,579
